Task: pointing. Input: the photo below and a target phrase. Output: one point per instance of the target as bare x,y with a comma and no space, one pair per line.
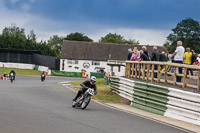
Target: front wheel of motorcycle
73,104
85,102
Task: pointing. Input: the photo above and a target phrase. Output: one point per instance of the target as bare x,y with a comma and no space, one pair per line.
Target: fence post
165,74
139,71
135,70
158,73
184,77
128,70
174,75
152,73
143,75
147,79
132,68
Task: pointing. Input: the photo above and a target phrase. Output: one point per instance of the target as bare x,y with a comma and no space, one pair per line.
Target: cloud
45,28
14,1
25,7
145,36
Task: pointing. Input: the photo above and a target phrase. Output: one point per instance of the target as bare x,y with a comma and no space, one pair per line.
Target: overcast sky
149,21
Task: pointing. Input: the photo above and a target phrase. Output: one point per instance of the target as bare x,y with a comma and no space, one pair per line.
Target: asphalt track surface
31,106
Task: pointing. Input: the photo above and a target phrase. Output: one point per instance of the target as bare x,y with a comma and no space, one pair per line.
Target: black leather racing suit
85,85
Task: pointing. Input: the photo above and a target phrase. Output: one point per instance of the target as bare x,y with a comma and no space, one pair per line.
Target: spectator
155,54
143,57
129,54
135,54
178,58
170,55
198,58
155,57
194,57
144,48
163,57
187,59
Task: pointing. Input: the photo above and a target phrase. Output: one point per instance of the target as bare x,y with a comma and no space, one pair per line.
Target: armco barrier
170,102
122,87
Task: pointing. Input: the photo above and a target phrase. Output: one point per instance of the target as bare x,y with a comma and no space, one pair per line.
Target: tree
78,37
134,42
56,42
188,31
114,38
13,38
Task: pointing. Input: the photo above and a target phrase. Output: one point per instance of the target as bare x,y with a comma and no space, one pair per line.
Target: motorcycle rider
85,85
12,71
43,74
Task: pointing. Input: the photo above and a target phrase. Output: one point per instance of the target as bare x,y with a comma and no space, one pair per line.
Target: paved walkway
170,121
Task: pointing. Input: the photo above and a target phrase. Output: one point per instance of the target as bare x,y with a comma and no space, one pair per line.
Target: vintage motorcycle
84,99
11,77
42,77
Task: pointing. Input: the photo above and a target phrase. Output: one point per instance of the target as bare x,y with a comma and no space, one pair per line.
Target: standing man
187,57
144,48
178,58
155,57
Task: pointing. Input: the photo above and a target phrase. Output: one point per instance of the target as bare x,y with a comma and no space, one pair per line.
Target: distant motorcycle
42,77
84,99
11,77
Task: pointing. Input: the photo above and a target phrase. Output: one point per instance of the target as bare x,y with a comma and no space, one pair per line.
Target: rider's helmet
93,80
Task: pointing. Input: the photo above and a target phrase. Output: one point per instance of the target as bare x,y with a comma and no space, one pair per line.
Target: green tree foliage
55,43
115,38
188,31
134,42
14,38
78,37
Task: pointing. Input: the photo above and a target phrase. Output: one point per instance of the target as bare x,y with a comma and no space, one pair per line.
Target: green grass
19,71
104,94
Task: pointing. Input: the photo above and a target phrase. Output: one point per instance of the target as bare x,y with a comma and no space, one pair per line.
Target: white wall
78,67
22,66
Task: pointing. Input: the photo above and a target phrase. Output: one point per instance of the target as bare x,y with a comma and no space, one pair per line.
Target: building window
96,63
72,61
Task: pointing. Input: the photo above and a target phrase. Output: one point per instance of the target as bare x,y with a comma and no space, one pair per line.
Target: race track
31,106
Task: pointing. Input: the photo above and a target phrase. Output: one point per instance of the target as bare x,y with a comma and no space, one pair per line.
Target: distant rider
12,71
85,85
43,74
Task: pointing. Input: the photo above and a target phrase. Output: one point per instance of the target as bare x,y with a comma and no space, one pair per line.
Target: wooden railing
145,70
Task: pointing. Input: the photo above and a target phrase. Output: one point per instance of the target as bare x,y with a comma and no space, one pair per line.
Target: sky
149,21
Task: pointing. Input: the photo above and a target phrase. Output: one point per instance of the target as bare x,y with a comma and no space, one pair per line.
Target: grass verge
19,71
104,94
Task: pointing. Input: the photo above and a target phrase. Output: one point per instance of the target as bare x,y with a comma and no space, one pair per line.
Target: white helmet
93,80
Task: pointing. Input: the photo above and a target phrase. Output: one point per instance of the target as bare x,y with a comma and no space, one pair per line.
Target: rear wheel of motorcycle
85,102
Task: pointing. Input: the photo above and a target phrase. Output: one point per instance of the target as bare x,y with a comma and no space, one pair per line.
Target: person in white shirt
198,58
178,58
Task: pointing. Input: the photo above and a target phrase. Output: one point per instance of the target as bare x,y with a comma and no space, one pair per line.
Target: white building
93,57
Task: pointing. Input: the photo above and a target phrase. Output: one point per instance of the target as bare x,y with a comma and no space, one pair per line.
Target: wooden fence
145,70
